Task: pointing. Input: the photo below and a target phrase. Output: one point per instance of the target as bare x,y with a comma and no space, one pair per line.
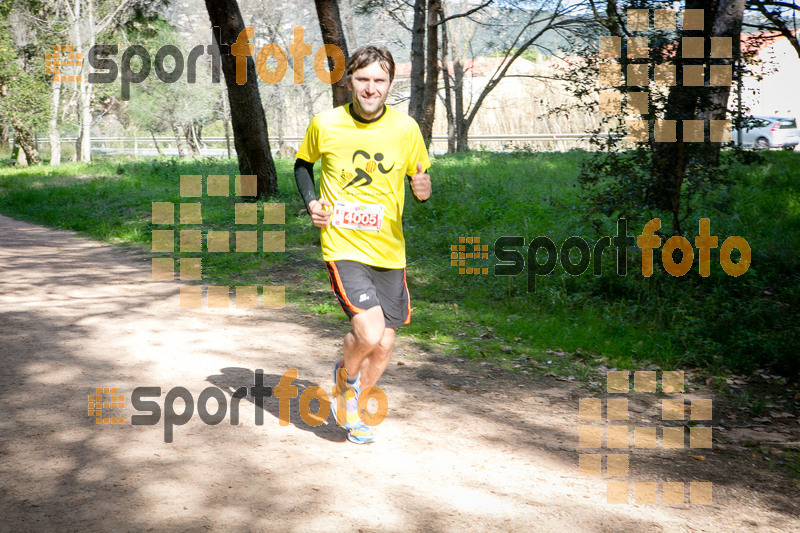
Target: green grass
629,322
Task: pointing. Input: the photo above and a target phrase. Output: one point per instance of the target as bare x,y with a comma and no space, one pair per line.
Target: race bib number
350,215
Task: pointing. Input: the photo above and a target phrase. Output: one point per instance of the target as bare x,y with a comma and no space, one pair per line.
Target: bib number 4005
360,218
350,215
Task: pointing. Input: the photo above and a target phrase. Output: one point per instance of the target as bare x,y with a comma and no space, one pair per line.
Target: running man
367,149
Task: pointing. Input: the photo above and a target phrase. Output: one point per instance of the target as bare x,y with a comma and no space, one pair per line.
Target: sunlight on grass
624,321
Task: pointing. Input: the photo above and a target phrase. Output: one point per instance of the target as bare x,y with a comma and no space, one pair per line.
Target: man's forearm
304,177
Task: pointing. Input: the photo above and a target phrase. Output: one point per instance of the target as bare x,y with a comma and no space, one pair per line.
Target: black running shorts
359,287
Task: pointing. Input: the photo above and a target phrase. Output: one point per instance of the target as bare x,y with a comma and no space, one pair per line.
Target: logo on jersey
373,163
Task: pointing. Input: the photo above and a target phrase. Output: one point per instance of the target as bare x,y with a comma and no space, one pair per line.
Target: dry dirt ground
462,449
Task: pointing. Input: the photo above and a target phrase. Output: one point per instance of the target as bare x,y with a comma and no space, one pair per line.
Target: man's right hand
320,216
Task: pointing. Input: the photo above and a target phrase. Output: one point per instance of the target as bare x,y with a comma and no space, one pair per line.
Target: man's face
370,87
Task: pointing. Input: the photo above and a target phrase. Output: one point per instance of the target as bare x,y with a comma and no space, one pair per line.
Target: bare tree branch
110,17
775,18
502,69
465,14
758,3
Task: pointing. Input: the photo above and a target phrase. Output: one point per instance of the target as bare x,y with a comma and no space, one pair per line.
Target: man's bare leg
367,332
375,363
367,346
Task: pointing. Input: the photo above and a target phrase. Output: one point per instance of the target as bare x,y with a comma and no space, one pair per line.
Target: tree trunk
225,118
18,155
75,25
670,160
250,134
330,24
460,125
178,143
26,142
76,152
196,139
86,121
76,22
727,23
448,95
52,126
350,33
309,102
279,118
462,138
86,92
432,71
189,135
612,22
417,79
158,148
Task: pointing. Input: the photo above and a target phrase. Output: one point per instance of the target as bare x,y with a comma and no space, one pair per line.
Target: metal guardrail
541,137
216,147
501,141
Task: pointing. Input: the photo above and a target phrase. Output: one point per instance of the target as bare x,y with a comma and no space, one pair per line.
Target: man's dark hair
369,54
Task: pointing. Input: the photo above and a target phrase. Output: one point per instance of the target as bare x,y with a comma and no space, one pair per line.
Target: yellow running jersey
365,163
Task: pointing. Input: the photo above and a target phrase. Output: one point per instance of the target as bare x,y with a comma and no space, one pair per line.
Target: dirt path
461,449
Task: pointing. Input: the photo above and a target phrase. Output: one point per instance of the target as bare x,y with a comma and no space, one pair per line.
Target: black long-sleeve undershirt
304,177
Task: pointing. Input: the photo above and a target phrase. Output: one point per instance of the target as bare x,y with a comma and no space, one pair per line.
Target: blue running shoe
361,434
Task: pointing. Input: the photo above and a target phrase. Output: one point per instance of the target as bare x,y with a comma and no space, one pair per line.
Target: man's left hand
421,184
